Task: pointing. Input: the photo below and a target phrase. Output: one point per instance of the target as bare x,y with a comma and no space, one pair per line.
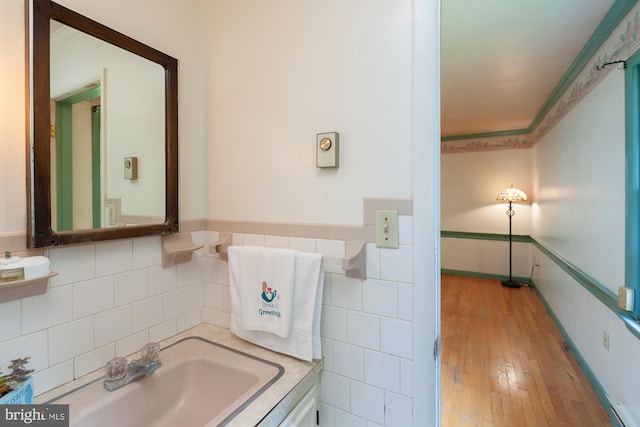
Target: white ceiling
502,59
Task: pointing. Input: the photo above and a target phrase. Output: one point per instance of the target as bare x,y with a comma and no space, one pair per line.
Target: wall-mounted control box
327,150
130,168
625,298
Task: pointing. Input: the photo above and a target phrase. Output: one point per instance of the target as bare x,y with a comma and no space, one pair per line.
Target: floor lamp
511,195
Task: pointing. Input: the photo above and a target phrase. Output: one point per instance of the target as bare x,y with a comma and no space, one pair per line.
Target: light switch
111,214
327,150
387,229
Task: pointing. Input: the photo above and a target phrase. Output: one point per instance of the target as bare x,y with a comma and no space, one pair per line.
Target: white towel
267,284
303,341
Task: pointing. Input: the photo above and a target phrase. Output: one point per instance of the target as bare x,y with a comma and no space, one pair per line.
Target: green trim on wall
64,167
95,167
94,92
485,236
597,289
64,159
483,275
611,20
614,16
632,172
593,380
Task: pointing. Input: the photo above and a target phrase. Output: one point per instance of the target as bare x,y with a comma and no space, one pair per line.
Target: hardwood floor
504,362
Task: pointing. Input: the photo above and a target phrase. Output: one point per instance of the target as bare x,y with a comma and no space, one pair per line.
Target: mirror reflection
103,135
106,107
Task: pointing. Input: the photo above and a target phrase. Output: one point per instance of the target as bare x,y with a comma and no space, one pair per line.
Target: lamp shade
512,195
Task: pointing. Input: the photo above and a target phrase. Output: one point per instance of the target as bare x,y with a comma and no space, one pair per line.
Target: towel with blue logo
267,284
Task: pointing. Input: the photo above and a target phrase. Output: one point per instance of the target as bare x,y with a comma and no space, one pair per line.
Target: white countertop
268,409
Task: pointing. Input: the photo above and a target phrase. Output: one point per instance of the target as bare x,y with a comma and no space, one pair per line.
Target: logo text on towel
270,306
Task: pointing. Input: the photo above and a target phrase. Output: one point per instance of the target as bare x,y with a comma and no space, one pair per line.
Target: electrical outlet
605,340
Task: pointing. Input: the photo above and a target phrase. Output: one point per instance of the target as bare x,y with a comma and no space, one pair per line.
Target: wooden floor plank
504,362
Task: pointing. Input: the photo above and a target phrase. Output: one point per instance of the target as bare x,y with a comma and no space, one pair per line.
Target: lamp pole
511,195
510,283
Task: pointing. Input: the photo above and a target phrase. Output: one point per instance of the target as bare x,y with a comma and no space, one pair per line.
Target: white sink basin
200,383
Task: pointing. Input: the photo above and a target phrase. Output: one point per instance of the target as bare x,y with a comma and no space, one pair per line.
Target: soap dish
18,289
33,278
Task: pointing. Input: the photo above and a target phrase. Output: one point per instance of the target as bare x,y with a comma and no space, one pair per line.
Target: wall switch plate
605,340
625,298
327,150
387,229
111,214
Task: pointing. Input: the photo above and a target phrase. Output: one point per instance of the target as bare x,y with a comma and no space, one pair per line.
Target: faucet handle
115,369
150,352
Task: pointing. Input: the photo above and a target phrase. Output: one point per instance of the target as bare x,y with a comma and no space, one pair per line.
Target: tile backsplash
110,298
367,328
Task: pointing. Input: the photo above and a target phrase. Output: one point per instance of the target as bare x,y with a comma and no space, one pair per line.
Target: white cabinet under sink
304,414
299,408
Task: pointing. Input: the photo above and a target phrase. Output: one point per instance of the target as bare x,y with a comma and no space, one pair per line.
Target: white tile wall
92,296
398,410
111,298
348,360
70,340
366,327
43,311
131,286
367,402
363,329
346,419
108,299
9,312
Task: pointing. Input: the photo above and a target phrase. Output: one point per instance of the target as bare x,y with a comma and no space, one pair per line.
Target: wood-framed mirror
103,132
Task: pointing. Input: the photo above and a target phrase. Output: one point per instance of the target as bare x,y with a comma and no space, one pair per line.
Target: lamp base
511,284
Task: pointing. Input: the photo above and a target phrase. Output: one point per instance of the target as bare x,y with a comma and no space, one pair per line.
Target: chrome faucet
119,373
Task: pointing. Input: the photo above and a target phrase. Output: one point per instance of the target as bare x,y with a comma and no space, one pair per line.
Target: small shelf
177,248
19,289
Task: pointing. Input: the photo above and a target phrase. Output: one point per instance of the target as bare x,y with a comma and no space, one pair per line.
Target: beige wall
470,184
281,72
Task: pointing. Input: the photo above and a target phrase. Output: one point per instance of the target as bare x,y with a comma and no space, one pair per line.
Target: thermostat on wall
327,150
130,168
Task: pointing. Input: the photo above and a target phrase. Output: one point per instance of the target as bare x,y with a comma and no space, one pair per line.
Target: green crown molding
614,16
485,135
611,20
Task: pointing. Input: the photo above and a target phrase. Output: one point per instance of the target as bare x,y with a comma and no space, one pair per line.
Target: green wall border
591,377
597,289
485,236
64,158
632,171
483,275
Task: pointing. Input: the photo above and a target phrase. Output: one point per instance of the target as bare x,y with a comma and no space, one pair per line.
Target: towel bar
354,262
225,240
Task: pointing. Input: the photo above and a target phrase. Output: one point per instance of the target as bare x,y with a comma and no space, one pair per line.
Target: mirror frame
40,232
